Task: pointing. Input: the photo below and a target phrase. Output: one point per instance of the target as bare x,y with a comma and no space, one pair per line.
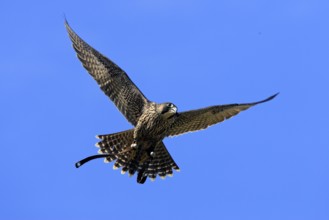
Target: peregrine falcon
141,149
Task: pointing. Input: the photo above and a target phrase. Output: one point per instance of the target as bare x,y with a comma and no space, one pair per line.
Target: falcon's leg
133,150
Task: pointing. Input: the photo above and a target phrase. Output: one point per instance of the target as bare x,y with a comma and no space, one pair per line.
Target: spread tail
117,147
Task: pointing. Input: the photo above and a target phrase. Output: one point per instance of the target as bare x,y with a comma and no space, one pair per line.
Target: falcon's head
168,110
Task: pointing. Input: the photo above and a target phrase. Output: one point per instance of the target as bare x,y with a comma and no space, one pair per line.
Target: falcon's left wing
202,118
114,82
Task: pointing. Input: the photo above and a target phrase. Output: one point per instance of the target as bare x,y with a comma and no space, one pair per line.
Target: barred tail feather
162,164
114,145
117,146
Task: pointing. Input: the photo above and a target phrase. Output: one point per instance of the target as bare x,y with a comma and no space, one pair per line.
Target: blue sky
270,162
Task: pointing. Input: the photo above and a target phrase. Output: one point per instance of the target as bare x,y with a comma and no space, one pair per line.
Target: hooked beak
173,110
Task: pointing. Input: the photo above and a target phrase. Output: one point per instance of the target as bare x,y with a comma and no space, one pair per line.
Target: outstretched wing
202,118
114,82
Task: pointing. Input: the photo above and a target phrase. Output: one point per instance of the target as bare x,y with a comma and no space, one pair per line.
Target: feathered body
155,122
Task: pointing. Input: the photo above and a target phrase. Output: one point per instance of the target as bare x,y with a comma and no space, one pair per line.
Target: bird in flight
141,149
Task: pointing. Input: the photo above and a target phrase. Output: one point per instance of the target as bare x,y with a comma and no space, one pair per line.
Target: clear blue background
270,162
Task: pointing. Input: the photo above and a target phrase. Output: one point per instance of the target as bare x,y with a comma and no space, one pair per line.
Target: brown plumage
141,149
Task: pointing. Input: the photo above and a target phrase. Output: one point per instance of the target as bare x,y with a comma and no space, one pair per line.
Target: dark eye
170,105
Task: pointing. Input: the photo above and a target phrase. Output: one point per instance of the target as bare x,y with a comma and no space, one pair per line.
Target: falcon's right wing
114,82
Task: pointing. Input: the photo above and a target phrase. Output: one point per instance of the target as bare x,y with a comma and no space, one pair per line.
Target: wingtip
66,23
267,99
273,96
64,16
